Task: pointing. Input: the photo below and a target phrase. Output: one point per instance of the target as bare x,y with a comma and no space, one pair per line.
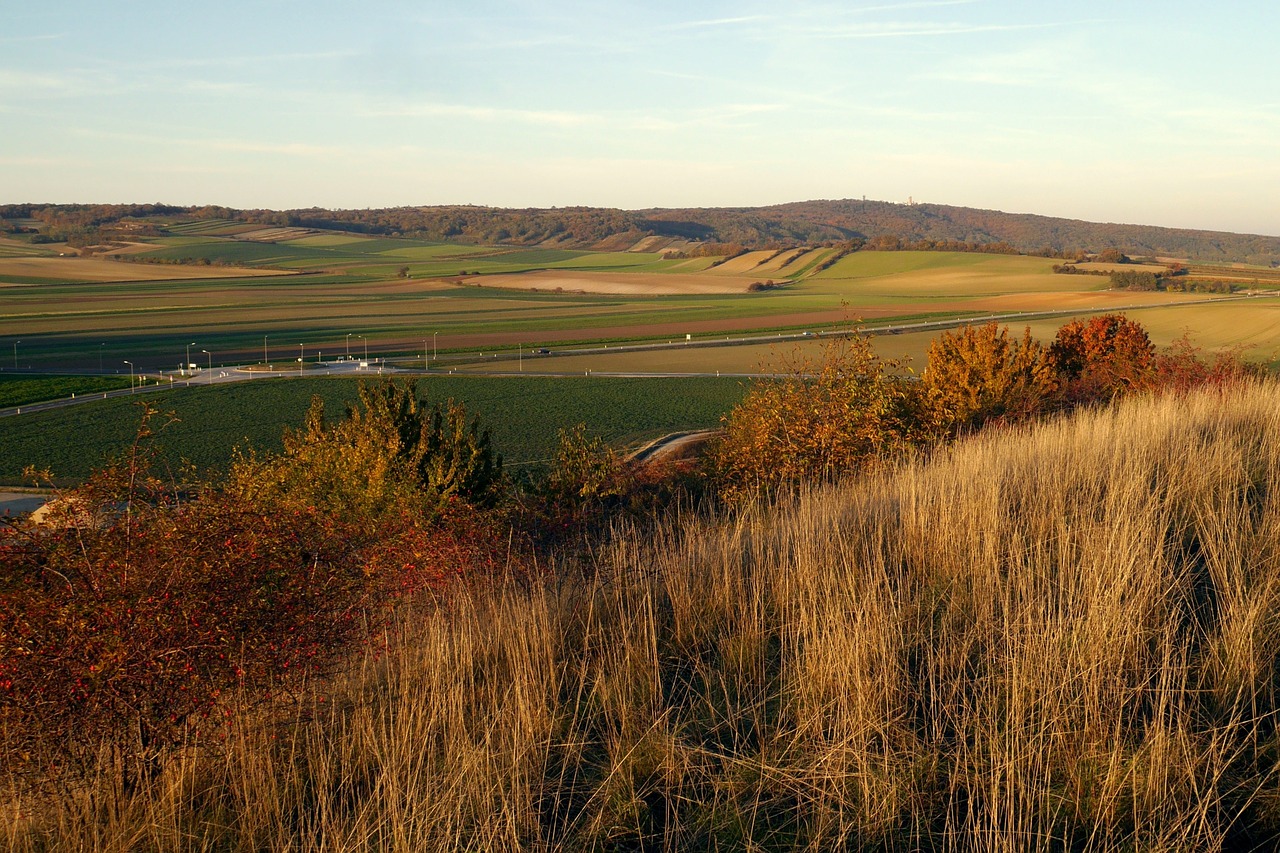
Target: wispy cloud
34,161
558,118
233,61
723,115
902,29
31,38
292,149
921,4
826,15
718,22
45,82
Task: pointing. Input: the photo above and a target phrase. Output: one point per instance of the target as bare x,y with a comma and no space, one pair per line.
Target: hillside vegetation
1061,636
793,224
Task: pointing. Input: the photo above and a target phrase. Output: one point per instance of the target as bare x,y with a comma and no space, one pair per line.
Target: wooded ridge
796,223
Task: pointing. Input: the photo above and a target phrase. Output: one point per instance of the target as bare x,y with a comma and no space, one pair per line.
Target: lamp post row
186,365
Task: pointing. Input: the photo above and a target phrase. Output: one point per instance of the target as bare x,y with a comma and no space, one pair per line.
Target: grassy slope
524,414
1049,639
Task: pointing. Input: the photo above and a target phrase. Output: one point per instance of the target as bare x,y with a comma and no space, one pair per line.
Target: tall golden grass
1056,637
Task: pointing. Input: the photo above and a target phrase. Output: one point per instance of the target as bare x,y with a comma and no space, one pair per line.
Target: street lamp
366,347
206,352
434,352
130,363
264,353
187,364
15,354
302,354
348,346
425,365
100,348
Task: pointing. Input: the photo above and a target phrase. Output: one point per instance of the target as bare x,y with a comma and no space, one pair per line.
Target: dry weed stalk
1063,637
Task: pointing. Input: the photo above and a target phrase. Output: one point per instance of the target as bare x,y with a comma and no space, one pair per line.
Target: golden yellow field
621,284
780,261
743,264
1253,325
1098,266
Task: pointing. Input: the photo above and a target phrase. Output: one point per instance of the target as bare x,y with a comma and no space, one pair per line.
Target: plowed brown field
622,284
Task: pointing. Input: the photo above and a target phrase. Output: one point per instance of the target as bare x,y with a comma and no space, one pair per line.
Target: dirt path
674,447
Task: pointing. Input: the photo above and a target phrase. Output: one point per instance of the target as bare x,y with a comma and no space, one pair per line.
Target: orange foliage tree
979,374
821,419
1101,358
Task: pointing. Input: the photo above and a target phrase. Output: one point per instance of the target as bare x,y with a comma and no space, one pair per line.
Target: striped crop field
525,415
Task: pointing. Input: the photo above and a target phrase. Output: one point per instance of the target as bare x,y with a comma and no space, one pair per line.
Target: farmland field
1252,326
524,414
18,249
631,284
15,269
352,293
19,390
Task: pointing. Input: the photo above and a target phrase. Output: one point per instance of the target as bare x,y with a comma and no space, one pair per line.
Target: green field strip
865,264
18,390
525,415
12,250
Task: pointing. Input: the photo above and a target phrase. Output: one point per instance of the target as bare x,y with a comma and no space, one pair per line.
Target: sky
1160,113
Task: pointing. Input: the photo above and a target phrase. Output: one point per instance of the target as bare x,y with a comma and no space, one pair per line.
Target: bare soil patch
621,284
130,248
1096,266
276,235
743,263
781,260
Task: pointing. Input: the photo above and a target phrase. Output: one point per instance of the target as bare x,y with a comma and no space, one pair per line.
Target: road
22,502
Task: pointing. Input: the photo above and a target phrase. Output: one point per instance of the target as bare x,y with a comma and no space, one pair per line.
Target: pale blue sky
1158,113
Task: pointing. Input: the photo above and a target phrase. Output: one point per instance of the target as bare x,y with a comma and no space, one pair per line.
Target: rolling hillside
659,229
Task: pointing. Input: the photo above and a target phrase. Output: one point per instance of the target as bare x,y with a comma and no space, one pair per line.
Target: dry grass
1059,638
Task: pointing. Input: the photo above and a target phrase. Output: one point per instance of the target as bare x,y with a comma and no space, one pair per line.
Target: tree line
800,223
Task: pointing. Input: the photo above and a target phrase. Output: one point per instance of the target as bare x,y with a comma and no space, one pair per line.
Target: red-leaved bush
1101,358
126,622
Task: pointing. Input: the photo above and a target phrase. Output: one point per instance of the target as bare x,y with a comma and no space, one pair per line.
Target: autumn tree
820,419
391,450
980,373
1101,358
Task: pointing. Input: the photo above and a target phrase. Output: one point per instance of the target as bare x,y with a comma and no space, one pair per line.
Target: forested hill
807,222
814,221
